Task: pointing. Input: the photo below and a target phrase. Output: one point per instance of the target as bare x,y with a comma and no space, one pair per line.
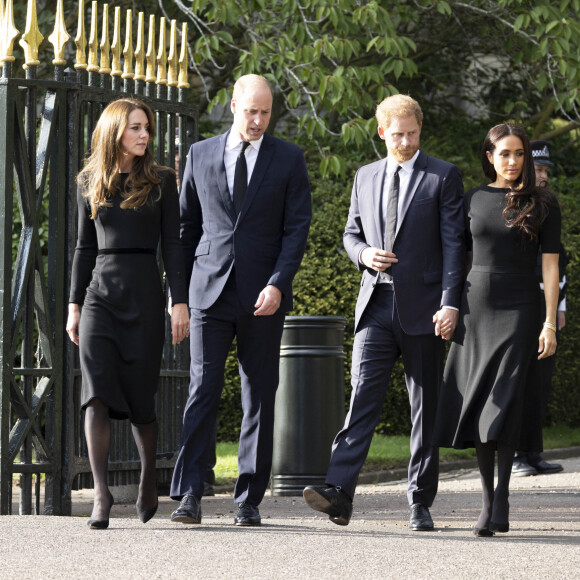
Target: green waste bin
309,403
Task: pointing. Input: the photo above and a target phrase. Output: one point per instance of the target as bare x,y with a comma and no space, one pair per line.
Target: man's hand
377,259
445,322
268,301
561,319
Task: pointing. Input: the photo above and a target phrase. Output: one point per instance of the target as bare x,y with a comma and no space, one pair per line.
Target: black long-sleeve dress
485,394
116,279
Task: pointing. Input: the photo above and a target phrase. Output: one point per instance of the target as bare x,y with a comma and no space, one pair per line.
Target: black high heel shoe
102,524
146,514
502,528
483,532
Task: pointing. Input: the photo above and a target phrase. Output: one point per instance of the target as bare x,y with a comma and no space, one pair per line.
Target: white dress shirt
233,148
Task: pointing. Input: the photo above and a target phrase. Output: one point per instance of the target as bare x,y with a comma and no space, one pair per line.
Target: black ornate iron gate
45,130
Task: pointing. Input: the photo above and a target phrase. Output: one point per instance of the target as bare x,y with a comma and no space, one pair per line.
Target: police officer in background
532,463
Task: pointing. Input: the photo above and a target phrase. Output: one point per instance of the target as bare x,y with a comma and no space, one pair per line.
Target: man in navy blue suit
405,232
245,214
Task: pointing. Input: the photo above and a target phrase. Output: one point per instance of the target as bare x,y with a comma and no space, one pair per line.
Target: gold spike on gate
128,50
116,46
162,55
150,56
93,65
172,74
8,34
81,39
140,49
32,37
105,46
183,59
60,36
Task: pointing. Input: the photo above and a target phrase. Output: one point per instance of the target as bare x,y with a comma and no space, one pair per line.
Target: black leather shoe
188,512
102,524
420,520
248,515
332,501
543,467
482,532
522,468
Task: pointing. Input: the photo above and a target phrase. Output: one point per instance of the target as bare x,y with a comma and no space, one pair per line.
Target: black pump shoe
102,524
146,514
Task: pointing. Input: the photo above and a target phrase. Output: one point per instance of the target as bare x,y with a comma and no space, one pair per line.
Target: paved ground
295,542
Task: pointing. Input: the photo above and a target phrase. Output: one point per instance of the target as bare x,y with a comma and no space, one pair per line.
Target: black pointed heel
102,524
146,514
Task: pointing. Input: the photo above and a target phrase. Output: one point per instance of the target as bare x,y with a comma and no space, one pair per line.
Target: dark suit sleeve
190,215
297,216
354,238
452,227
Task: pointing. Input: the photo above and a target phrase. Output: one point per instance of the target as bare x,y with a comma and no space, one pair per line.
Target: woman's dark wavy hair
527,205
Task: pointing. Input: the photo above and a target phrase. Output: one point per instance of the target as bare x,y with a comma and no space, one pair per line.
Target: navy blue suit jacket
429,242
266,242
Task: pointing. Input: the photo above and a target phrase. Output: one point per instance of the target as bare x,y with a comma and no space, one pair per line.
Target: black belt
127,251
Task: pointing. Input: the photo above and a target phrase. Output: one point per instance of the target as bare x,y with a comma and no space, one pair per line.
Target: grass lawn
388,452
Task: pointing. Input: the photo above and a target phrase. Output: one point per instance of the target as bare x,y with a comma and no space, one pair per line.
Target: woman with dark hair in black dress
126,204
485,396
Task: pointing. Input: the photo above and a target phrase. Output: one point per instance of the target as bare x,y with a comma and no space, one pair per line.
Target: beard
403,153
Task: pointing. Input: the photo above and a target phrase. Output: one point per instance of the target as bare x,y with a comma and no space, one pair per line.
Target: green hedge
327,284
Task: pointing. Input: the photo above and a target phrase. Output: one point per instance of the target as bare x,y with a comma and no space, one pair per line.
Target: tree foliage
331,62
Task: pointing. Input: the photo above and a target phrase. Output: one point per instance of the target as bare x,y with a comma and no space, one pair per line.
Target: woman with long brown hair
126,204
486,396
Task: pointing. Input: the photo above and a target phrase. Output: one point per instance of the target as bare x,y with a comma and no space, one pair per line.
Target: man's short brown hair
397,106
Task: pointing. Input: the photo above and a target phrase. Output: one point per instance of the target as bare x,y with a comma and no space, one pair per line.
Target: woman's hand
73,321
179,322
547,346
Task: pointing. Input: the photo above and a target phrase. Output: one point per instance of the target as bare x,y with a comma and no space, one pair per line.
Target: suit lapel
378,185
217,155
416,178
263,161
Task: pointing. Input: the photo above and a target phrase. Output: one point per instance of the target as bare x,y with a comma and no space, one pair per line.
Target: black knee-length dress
116,279
486,395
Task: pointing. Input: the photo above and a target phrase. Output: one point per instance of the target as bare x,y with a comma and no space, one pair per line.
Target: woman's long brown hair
100,176
526,204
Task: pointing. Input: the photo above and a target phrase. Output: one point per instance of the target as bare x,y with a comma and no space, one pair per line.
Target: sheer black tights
98,436
146,440
495,504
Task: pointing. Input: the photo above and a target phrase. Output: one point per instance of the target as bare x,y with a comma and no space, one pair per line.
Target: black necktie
240,177
392,205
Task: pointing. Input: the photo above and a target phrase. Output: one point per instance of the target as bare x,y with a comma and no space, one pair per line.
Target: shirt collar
234,141
406,166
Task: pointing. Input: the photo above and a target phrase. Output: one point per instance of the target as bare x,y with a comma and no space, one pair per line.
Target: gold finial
150,56
162,55
105,45
116,46
128,50
140,49
59,36
8,34
93,42
81,39
183,59
31,38
172,58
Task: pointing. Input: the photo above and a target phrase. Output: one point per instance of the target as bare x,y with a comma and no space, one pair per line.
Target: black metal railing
45,131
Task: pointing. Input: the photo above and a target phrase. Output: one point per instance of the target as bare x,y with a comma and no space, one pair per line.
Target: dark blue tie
240,177
392,206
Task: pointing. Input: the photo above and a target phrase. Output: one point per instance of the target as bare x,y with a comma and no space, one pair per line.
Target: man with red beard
405,232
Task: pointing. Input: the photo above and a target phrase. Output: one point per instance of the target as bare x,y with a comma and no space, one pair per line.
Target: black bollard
309,402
